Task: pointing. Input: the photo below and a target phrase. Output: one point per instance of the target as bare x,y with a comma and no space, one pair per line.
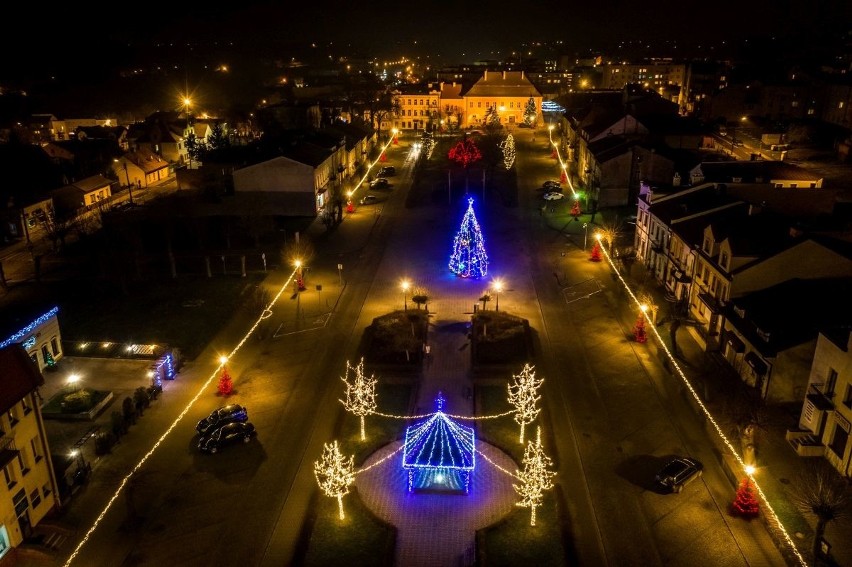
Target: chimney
522,74
486,75
504,75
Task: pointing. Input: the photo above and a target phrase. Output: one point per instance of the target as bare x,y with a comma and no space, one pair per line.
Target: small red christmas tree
553,153
226,386
639,330
563,178
395,141
596,252
350,208
383,158
575,210
746,503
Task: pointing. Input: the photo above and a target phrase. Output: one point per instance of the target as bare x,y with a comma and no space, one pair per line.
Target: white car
369,200
553,196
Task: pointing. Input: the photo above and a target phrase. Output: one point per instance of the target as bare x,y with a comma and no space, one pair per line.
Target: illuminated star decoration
508,146
360,393
535,478
335,473
523,394
469,259
439,453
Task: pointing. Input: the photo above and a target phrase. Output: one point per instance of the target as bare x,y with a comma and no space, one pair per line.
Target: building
37,331
777,173
416,107
824,424
31,490
508,92
664,76
77,198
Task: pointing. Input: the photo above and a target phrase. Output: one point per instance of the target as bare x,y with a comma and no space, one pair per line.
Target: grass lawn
501,338
361,538
54,404
513,541
183,313
397,338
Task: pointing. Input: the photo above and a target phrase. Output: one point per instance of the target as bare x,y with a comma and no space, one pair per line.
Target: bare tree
819,490
420,296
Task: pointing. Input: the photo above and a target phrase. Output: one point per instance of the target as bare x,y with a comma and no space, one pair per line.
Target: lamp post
405,285
498,287
127,177
585,235
186,104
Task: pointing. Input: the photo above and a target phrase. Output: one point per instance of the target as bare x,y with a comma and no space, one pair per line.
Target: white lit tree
523,394
530,112
335,473
508,146
360,393
535,478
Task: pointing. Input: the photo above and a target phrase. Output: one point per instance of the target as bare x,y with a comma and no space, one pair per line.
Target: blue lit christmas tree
469,259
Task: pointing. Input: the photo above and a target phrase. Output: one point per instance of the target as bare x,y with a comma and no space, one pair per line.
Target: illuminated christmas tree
465,153
360,393
226,385
508,147
746,503
535,478
469,259
530,112
335,473
639,332
575,210
596,252
523,394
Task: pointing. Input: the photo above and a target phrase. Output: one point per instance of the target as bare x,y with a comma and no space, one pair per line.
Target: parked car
224,415
369,200
236,432
552,185
679,472
553,196
387,171
379,183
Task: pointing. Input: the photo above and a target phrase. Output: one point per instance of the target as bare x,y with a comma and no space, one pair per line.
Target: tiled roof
92,183
755,171
503,83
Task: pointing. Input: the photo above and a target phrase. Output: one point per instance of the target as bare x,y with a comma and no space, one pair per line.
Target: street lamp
405,284
498,287
73,380
585,235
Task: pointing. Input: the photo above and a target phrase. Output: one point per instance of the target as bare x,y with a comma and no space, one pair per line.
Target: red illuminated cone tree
596,252
226,385
746,503
563,178
575,210
383,158
639,329
553,153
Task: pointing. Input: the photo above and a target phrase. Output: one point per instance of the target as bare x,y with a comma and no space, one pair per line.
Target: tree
508,147
469,259
535,478
485,298
218,137
523,394
465,153
746,503
492,119
360,393
820,491
195,148
335,473
595,255
226,385
530,112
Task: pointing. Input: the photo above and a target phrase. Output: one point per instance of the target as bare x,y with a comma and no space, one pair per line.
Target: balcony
821,400
8,451
805,443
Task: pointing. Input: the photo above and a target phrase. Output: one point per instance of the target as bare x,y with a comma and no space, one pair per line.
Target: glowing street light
73,380
497,284
749,470
405,284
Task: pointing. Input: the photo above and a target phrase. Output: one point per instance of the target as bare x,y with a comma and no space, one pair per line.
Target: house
37,330
508,92
452,105
31,489
140,169
416,107
770,335
163,134
779,174
74,199
280,185
359,141
824,424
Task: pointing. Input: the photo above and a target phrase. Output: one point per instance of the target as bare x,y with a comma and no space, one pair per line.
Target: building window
35,446
830,382
838,442
25,407
707,245
9,474
35,498
45,490
54,346
44,353
723,261
13,416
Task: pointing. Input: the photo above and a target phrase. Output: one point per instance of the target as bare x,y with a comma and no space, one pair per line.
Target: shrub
129,411
77,402
119,427
141,399
104,443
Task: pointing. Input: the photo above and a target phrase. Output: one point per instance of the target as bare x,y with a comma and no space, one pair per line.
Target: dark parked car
379,183
387,171
236,432
225,414
679,472
552,185
369,200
